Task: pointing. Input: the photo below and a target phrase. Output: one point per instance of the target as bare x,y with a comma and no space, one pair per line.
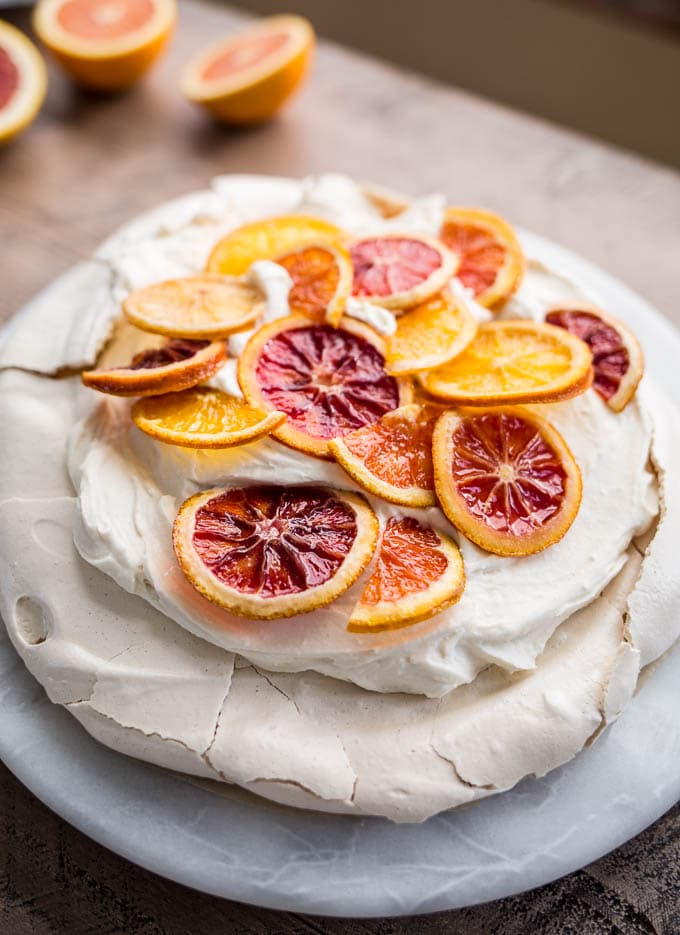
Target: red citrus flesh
410,560
384,266
249,51
174,351
315,276
104,19
9,78
481,255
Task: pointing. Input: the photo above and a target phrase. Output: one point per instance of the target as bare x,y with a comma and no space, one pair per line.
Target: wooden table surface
90,164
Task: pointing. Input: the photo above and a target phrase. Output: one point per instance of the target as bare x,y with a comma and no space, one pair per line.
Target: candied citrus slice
23,82
329,381
491,258
513,362
201,417
265,552
393,457
105,44
400,270
429,335
322,280
197,307
419,572
505,478
618,364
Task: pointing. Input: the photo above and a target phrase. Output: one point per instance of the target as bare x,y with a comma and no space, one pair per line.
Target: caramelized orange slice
322,280
429,335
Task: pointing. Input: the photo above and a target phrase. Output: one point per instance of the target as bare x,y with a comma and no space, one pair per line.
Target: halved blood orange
393,457
265,552
201,417
322,280
105,44
419,572
505,478
618,363
246,78
491,258
23,81
176,365
400,270
197,307
513,362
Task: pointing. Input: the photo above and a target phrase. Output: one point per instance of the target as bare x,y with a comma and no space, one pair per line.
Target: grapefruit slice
329,381
247,78
513,362
506,479
105,44
23,82
491,258
266,552
618,364
322,280
419,572
400,270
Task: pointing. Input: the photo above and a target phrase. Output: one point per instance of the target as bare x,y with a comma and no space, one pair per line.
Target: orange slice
393,458
177,365
23,82
203,418
618,364
105,44
247,78
265,552
329,381
419,572
512,362
491,259
429,335
322,280
506,479
400,270
197,307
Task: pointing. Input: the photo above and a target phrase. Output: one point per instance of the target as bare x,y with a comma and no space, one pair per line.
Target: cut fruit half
506,479
247,78
491,259
419,572
105,44
513,362
329,381
266,552
322,280
23,82
197,307
203,418
618,364
176,365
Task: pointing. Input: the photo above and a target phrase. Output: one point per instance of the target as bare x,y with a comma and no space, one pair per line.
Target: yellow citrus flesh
429,335
23,82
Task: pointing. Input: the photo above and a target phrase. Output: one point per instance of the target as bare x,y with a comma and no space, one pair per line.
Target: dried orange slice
491,258
393,458
197,307
618,364
265,552
419,572
105,44
203,418
505,478
429,335
322,280
400,270
512,362
23,81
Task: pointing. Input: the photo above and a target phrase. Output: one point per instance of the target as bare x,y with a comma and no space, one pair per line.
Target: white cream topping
381,319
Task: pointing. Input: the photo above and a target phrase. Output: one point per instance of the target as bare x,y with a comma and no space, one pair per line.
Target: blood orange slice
329,381
266,552
506,479
618,363
247,78
400,270
419,572
322,280
23,81
491,259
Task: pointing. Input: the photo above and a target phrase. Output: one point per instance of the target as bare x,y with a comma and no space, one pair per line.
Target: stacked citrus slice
322,280
23,82
429,335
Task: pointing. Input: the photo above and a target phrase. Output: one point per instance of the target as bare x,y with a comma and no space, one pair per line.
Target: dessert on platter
358,502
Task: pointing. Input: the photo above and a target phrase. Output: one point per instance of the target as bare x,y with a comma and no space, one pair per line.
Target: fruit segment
322,280
23,81
429,335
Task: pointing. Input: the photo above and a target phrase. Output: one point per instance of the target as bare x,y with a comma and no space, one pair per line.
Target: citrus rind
29,94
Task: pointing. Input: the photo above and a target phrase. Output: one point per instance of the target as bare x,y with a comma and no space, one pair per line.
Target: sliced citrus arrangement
618,364
418,573
266,552
247,78
512,362
429,335
393,457
23,81
491,258
322,280
201,417
201,307
176,365
506,479
105,44
400,270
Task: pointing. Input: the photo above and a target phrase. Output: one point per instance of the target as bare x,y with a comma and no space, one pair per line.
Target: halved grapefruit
322,280
23,81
